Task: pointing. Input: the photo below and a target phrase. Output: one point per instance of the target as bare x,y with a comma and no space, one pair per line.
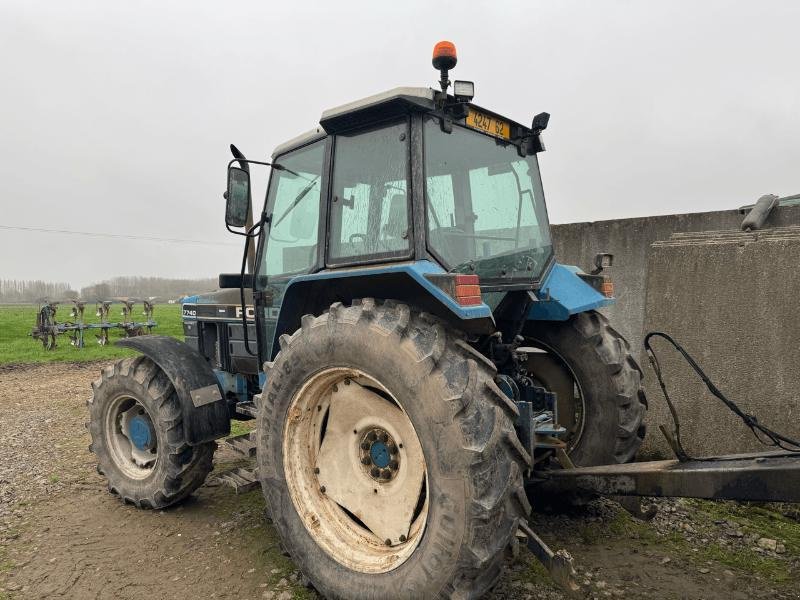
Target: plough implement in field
47,329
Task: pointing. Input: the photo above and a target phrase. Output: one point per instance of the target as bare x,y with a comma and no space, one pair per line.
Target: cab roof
395,102
386,104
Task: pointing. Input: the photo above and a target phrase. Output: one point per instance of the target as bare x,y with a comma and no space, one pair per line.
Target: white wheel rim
134,462
338,420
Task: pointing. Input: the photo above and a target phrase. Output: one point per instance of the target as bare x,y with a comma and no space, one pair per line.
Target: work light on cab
464,91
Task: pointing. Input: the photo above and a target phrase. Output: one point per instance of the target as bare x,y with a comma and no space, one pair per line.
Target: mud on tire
179,469
464,424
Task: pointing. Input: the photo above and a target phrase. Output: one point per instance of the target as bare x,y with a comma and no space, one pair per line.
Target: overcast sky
116,116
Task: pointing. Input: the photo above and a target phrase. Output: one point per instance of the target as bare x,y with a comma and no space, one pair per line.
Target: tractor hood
223,297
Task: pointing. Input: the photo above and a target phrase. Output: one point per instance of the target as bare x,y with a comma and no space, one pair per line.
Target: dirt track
62,535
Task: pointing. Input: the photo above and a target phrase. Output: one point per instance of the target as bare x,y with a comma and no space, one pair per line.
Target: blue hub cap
379,453
140,432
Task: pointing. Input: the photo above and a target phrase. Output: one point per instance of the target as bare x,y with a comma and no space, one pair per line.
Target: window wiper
297,200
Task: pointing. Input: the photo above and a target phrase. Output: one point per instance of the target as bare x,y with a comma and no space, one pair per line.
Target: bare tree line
22,291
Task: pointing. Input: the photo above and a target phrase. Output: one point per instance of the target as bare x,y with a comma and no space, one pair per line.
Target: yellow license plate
487,124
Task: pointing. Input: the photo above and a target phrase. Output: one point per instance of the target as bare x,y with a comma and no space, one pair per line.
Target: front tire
472,498
135,422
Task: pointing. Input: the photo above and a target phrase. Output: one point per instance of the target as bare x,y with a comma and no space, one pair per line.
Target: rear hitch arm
760,477
558,564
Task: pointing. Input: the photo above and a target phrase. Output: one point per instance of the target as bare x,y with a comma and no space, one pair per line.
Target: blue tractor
410,348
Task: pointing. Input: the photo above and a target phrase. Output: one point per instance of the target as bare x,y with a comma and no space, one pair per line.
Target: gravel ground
43,451
63,536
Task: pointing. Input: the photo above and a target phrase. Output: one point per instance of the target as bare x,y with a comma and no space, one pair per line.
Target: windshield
485,205
293,202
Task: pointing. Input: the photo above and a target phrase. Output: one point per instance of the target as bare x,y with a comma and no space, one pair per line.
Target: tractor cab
417,187
421,174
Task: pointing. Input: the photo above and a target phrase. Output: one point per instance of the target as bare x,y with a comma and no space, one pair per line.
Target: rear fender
405,282
205,412
563,294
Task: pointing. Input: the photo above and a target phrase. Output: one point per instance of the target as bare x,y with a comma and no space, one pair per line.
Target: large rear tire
608,426
403,366
136,426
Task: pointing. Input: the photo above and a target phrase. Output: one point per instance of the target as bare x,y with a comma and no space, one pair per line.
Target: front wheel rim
131,437
355,470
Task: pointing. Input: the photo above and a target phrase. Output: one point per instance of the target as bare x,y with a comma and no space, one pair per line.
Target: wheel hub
379,454
141,432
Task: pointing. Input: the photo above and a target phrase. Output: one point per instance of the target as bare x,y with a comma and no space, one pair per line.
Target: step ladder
243,444
241,479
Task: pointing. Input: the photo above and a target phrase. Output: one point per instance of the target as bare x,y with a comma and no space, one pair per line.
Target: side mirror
237,207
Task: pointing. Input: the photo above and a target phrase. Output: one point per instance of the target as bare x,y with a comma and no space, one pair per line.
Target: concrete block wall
732,298
733,301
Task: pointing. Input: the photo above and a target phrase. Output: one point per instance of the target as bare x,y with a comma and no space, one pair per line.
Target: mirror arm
251,233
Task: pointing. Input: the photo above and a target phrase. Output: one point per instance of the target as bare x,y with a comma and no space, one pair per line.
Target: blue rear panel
563,294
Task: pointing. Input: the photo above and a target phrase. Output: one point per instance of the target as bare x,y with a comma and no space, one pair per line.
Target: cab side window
369,202
293,201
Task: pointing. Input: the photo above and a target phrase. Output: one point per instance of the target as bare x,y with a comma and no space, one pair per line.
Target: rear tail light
468,290
464,289
601,283
607,288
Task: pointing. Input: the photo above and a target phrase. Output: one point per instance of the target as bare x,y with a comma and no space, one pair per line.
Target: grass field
16,345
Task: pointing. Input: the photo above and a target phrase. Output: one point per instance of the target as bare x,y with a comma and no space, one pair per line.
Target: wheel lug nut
375,472
365,445
372,436
365,460
392,449
386,474
393,465
385,437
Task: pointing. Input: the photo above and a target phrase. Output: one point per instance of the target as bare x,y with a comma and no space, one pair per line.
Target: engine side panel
217,333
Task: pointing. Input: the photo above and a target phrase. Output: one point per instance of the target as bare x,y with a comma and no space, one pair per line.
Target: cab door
370,202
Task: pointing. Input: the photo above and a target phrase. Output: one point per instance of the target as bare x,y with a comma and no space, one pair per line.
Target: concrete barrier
629,240
732,298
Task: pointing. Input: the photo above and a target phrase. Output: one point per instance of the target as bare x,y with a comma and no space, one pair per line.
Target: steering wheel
452,231
358,236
